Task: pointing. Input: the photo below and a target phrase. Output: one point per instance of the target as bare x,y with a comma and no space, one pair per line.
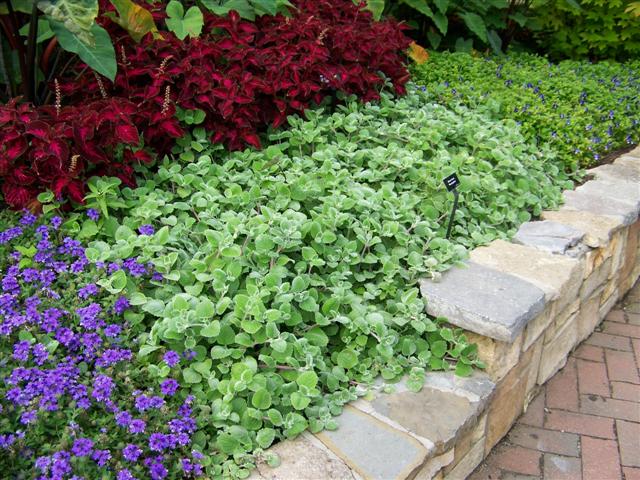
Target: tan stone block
538,325
467,442
598,228
608,304
556,275
610,288
499,357
434,465
304,458
508,401
468,464
631,257
557,348
589,317
534,368
618,249
625,284
560,319
596,280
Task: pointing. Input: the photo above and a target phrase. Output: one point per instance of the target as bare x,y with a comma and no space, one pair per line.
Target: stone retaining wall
527,304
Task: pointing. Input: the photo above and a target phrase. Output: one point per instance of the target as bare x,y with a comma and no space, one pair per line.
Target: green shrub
460,24
582,110
598,29
292,272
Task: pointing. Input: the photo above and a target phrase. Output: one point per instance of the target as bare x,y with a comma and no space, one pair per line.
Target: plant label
451,182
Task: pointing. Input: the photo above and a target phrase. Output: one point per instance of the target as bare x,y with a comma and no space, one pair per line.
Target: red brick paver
585,422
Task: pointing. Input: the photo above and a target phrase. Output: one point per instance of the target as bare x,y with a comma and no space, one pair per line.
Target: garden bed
527,304
240,202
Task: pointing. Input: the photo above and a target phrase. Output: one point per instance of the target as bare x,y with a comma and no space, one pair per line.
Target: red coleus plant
59,148
248,76
245,77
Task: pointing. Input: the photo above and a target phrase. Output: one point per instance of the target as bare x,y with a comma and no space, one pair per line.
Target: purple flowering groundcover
74,400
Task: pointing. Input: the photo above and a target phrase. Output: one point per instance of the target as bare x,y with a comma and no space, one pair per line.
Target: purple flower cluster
64,355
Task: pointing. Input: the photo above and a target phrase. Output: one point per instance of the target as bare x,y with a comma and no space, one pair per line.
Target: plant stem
32,47
49,70
3,70
21,52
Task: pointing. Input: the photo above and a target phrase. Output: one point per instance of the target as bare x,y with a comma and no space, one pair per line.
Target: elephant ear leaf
135,19
100,56
77,16
475,23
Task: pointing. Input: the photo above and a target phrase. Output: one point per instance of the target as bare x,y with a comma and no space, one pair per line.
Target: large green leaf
77,16
182,23
135,19
221,7
376,7
265,7
421,6
101,57
44,30
442,22
475,23
442,5
434,39
495,41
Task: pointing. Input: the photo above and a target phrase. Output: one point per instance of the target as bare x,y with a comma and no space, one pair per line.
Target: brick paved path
585,422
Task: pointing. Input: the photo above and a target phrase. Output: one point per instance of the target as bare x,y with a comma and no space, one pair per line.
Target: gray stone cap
483,300
624,212
553,237
620,190
373,448
422,414
598,228
614,172
628,161
388,436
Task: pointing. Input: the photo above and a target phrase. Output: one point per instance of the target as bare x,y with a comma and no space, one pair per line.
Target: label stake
452,182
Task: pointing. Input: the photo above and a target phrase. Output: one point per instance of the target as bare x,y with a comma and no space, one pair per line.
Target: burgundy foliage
41,148
245,76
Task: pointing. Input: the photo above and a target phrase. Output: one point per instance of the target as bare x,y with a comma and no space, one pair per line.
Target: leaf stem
32,47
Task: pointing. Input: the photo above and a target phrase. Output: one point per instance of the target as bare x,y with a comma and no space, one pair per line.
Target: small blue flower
93,214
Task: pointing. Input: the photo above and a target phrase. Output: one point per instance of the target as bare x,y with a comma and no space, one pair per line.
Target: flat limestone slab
374,449
614,172
422,413
635,151
484,300
620,191
304,458
624,212
630,162
598,228
552,237
553,274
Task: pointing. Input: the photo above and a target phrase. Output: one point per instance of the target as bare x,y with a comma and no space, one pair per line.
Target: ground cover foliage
291,272
582,110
